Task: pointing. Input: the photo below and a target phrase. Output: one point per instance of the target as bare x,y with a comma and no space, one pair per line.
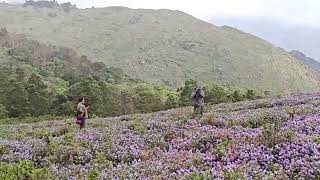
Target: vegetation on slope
36,80
262,139
164,47
310,62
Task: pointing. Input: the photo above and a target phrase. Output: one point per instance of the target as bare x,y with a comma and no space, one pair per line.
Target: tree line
38,79
24,94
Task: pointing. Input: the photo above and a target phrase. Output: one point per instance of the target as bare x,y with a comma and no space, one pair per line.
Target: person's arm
82,111
193,94
202,93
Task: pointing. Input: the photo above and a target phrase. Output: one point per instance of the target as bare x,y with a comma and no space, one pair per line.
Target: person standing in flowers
82,113
197,97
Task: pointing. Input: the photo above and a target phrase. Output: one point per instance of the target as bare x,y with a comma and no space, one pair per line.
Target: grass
165,47
19,120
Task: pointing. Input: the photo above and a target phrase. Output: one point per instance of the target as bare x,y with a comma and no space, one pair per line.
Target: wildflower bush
260,139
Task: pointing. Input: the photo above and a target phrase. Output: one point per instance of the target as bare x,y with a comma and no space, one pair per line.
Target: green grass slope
164,47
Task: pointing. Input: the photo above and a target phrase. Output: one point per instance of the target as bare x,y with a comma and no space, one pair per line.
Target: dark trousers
198,109
81,122
82,125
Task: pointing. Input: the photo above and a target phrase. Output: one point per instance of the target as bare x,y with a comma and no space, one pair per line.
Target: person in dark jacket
197,97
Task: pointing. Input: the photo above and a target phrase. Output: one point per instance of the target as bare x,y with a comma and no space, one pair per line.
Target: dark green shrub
221,148
271,135
3,149
23,170
201,176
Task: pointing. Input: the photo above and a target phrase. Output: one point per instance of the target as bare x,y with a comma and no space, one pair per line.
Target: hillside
312,63
265,139
164,47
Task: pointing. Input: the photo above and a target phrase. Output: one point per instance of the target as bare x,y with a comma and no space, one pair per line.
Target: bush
18,120
290,111
138,125
213,121
233,175
3,149
272,136
197,160
93,175
237,96
221,148
23,170
201,176
251,94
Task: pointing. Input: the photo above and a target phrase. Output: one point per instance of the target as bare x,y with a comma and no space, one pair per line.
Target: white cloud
286,11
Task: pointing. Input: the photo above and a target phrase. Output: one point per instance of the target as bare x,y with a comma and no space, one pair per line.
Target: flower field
264,139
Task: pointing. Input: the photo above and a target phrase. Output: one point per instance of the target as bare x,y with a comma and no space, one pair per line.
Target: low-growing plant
317,139
289,134
213,121
261,120
138,125
93,174
233,175
201,176
23,170
69,138
197,160
181,114
4,149
221,148
61,154
29,119
61,131
271,136
201,143
101,162
169,135
291,111
162,144
304,111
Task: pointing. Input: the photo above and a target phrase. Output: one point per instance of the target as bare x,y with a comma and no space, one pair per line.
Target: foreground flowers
264,139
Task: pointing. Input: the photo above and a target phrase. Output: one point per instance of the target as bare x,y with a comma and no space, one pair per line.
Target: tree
172,100
92,92
62,106
127,99
237,96
17,99
251,94
185,92
37,95
216,94
148,99
3,111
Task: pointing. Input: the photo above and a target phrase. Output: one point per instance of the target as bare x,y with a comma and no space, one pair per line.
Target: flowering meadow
277,138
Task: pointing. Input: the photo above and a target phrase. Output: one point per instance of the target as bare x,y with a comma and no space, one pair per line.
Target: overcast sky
290,11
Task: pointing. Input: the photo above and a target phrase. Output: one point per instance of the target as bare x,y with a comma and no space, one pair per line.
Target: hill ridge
165,48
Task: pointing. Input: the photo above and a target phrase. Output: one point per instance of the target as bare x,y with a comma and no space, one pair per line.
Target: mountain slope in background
164,47
283,34
312,63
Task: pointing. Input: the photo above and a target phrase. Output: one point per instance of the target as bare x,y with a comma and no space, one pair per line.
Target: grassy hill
164,47
310,62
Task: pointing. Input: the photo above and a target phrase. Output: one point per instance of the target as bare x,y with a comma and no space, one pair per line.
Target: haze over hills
303,37
164,47
312,63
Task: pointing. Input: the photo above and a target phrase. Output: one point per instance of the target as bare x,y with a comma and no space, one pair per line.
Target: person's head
81,99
